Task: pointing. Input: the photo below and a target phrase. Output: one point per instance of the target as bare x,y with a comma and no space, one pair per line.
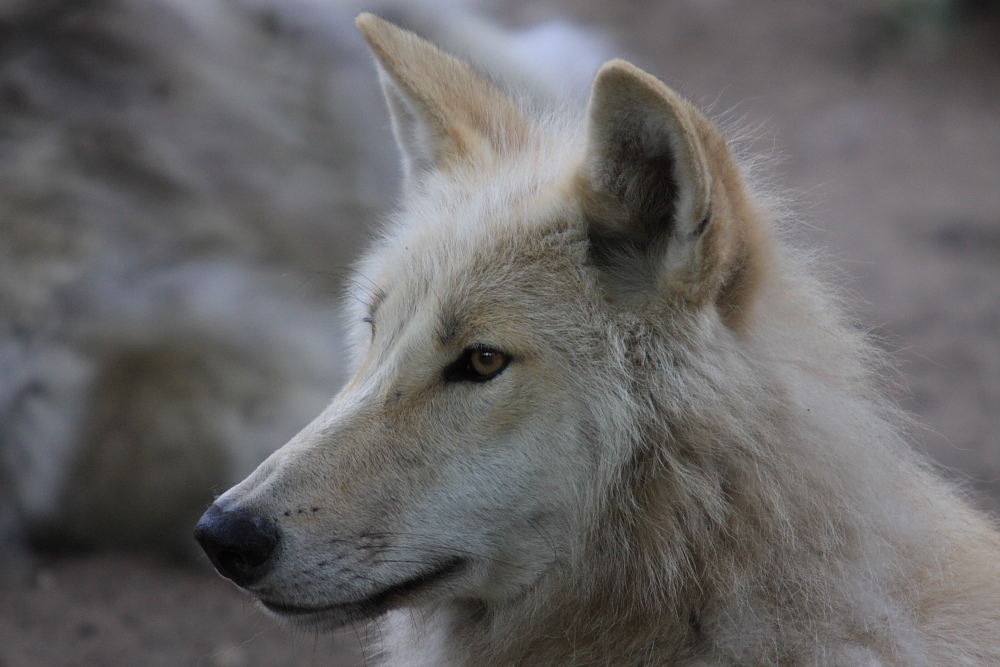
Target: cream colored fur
687,460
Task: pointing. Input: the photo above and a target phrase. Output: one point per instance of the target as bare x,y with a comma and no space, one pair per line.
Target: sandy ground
891,151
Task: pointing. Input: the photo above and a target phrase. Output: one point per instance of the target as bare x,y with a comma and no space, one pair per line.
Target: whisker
433,549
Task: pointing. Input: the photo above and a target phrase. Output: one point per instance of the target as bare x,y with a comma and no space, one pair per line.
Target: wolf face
489,415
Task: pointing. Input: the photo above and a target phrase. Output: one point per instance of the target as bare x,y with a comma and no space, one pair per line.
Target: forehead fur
514,221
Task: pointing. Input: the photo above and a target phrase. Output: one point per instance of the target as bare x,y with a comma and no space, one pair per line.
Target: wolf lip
373,605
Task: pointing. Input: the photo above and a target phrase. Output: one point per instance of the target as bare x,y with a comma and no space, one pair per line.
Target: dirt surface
128,610
890,147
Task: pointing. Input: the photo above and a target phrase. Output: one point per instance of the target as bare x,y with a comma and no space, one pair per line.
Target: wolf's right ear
662,196
443,112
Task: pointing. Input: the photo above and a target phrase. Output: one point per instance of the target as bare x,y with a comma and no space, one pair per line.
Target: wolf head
539,296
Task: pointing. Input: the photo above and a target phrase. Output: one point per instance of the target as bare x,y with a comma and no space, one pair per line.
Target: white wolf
601,415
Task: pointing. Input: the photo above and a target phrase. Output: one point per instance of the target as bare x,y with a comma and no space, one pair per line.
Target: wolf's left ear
660,193
443,112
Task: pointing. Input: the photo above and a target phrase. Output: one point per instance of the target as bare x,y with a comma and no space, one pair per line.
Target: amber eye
477,364
487,362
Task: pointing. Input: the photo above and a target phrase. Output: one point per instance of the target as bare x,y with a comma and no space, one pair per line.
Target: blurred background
184,183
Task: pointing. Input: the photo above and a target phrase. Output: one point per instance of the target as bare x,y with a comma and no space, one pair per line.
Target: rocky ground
888,141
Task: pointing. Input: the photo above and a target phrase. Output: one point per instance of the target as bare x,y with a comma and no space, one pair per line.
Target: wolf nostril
239,544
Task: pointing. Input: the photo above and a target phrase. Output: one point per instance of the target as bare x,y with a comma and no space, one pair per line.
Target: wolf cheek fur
683,459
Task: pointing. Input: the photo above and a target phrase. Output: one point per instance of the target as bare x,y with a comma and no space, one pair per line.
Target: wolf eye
477,364
487,362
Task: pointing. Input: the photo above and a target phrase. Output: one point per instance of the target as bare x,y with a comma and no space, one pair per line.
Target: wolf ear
651,213
443,112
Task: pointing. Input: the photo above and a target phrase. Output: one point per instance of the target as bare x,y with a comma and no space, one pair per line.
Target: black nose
240,544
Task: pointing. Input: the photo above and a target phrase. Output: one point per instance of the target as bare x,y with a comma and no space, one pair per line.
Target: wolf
602,413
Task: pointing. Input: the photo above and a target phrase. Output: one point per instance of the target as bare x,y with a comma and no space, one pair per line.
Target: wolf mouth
374,605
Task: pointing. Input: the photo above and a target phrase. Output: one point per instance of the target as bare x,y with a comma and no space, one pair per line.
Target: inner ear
632,212
640,191
413,137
